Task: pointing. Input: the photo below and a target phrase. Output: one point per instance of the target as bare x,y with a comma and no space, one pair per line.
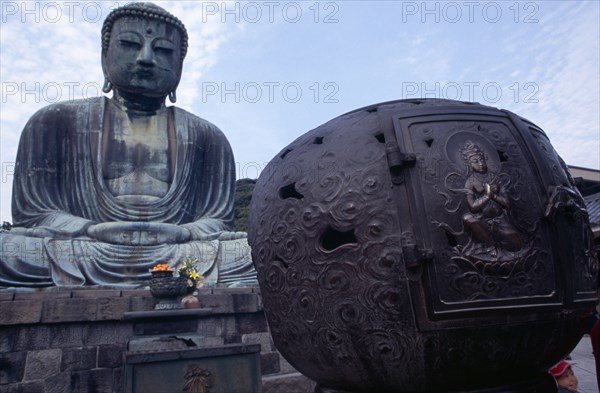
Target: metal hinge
415,257
397,160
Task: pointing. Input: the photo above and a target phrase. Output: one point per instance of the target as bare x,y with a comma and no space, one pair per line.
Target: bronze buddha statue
105,188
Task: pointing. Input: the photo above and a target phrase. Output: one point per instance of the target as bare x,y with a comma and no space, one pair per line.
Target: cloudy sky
266,72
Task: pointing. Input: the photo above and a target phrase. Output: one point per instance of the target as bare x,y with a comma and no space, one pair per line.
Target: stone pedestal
67,340
159,363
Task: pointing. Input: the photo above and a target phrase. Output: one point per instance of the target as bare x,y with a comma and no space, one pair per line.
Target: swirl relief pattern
326,245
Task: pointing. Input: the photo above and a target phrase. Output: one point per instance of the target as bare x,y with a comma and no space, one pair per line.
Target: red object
560,368
595,336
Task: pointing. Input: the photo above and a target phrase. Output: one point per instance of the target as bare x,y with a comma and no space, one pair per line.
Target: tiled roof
593,207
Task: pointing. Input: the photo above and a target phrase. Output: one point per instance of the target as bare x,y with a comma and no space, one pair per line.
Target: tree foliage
243,196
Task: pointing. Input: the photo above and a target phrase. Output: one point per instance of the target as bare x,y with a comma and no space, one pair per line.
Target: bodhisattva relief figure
492,235
106,188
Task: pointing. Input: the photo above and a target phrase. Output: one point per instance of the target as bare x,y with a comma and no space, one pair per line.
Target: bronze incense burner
423,246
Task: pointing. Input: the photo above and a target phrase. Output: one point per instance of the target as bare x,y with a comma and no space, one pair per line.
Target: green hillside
243,195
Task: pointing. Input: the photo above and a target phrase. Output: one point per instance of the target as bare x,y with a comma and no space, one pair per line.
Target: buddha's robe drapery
59,191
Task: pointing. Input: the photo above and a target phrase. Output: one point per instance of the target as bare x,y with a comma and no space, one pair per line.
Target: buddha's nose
146,55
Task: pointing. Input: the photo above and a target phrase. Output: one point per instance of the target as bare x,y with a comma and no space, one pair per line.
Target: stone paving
585,369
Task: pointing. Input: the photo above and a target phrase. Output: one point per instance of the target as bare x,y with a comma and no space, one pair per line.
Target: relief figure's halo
457,141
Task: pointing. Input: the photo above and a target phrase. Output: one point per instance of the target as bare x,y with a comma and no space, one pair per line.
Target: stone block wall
74,340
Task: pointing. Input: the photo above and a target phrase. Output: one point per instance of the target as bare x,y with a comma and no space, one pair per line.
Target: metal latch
397,160
415,257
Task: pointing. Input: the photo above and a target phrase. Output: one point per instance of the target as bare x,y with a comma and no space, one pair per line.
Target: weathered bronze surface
104,189
423,246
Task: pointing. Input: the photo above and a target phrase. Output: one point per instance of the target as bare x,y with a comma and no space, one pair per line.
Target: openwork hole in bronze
332,238
290,191
503,156
285,153
452,241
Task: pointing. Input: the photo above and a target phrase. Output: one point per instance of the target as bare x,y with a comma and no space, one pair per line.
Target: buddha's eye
163,51
163,47
130,44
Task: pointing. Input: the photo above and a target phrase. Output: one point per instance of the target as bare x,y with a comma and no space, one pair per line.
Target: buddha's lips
144,73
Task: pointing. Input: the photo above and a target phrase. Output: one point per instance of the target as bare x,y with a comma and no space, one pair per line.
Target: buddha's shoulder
63,109
196,122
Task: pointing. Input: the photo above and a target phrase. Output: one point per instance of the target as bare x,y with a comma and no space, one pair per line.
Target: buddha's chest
149,154
137,157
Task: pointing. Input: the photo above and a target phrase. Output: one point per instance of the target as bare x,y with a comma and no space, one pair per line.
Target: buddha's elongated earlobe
172,97
107,86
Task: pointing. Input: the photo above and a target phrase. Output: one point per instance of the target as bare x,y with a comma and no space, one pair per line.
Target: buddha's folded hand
139,233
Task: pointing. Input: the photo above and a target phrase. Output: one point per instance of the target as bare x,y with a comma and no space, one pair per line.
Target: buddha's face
143,57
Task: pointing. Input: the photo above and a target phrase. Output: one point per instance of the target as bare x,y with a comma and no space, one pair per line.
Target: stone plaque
223,369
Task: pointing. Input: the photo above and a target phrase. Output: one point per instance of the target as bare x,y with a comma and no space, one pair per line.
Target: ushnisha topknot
470,149
148,11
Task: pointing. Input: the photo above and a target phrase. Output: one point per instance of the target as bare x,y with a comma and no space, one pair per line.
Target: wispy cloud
368,52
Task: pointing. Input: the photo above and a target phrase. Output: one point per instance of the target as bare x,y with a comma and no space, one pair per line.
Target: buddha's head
474,157
143,47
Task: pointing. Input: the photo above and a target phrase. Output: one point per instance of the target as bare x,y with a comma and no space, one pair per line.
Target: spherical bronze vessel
423,246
